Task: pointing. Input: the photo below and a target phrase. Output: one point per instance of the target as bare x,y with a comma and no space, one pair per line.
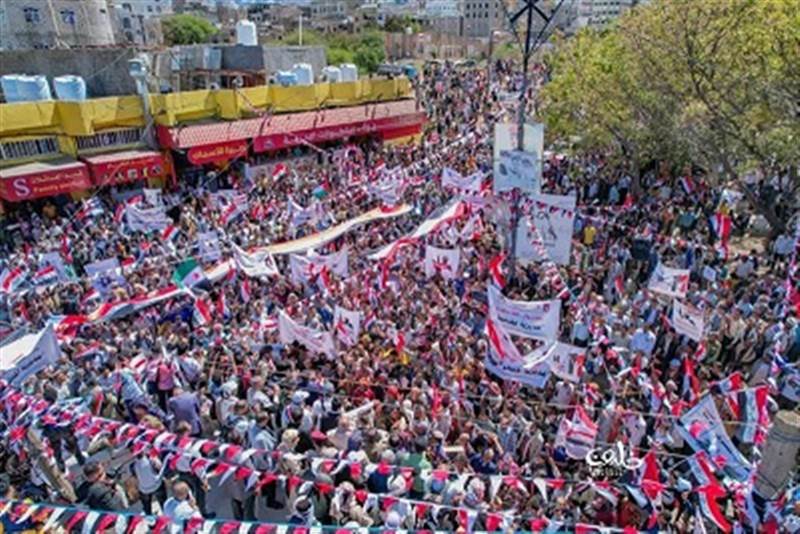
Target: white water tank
33,88
304,73
70,87
286,78
246,33
332,74
349,72
10,83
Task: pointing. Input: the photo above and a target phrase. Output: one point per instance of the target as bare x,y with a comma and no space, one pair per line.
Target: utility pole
300,30
530,46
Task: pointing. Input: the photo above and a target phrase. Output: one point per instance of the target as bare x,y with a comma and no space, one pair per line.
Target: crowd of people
199,409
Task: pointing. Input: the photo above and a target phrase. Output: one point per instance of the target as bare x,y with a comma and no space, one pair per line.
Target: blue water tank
33,88
70,87
10,83
286,78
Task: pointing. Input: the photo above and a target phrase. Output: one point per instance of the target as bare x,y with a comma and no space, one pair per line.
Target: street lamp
139,70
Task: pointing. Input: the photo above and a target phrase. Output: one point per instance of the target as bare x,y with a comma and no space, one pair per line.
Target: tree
337,56
714,82
187,29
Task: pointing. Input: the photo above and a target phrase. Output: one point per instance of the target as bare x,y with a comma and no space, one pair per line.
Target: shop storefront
43,179
121,168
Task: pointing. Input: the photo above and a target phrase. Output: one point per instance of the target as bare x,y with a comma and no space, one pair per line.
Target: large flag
577,435
500,342
236,207
442,217
442,261
503,359
202,312
669,281
45,276
347,324
255,265
189,274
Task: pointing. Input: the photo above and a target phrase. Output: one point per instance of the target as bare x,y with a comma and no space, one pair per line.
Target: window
127,7
126,23
158,9
31,15
67,16
128,136
27,149
149,9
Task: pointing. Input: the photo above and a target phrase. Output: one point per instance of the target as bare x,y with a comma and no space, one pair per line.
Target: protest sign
553,217
442,261
565,360
703,430
518,170
468,184
105,274
313,340
305,268
532,370
505,140
687,320
347,324
535,319
208,246
256,265
28,355
146,219
669,281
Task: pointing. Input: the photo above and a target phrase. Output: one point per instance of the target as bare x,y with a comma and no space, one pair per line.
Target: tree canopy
709,82
187,29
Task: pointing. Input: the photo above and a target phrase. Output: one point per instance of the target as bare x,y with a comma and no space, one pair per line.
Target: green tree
713,82
337,56
187,29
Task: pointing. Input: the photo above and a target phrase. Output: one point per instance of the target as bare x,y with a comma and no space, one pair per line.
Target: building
27,24
442,16
481,17
599,13
137,22
53,148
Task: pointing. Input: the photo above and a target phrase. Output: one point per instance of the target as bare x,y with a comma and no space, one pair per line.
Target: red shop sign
201,155
117,172
45,183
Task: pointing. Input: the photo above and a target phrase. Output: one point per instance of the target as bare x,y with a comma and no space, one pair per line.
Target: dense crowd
218,418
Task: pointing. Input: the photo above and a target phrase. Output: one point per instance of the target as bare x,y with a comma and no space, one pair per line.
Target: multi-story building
138,21
481,17
26,24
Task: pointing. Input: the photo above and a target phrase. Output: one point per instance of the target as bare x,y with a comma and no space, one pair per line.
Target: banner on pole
536,319
553,217
687,320
669,281
529,163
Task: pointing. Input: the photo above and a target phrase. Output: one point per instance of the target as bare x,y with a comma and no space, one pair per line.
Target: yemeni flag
170,233
496,270
222,306
722,226
279,171
11,280
202,312
189,274
687,184
244,290
45,276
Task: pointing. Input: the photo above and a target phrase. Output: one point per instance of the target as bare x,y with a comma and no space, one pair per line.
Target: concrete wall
272,58
54,24
105,70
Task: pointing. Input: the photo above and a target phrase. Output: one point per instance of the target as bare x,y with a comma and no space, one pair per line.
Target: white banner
687,320
313,340
577,435
505,140
347,325
469,184
442,261
256,265
553,216
535,319
146,219
565,360
300,215
669,281
28,355
532,370
520,170
305,268
208,246
153,197
451,212
703,430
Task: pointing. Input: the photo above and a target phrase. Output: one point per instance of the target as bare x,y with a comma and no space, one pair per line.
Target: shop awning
207,143
43,179
127,166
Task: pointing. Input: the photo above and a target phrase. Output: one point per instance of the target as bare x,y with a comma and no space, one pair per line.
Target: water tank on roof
304,73
286,78
349,72
246,33
9,83
332,74
33,88
70,87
